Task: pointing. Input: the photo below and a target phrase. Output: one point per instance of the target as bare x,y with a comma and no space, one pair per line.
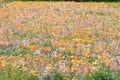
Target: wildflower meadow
59,40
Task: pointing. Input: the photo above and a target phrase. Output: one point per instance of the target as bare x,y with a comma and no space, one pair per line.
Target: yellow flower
74,69
60,55
100,47
48,67
33,72
72,49
73,61
81,62
99,57
95,62
65,78
104,57
27,56
3,64
12,57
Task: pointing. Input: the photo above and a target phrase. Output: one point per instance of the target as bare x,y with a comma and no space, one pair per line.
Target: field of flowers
59,41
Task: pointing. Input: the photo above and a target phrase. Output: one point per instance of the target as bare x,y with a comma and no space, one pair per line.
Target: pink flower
86,70
115,65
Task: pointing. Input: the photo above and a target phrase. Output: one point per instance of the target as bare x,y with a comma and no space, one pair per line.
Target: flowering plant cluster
59,41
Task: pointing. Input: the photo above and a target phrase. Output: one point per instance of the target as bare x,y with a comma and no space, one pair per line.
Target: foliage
103,74
56,76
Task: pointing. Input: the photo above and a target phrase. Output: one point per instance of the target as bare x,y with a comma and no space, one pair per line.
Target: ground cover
59,41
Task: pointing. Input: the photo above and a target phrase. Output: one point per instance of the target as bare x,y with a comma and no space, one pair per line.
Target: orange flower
31,47
86,54
57,45
36,31
47,49
34,47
